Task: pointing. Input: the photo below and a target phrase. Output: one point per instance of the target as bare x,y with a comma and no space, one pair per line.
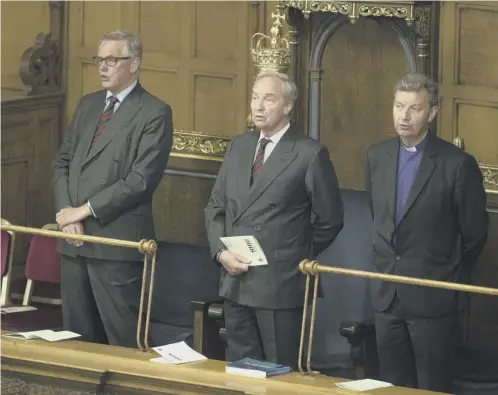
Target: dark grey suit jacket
294,209
441,233
118,174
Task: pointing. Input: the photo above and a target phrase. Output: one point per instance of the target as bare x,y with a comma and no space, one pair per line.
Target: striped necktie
260,158
105,117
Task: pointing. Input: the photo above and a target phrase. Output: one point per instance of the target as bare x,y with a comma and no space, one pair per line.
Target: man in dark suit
279,186
112,159
430,221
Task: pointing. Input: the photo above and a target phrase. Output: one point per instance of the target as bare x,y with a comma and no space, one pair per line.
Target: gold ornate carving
490,176
355,9
271,52
191,144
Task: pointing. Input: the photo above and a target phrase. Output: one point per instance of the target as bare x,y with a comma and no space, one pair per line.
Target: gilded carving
198,145
490,176
353,9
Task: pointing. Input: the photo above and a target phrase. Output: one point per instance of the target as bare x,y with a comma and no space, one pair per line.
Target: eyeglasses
110,60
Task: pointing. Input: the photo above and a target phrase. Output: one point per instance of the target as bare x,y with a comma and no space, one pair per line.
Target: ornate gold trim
355,9
196,145
490,178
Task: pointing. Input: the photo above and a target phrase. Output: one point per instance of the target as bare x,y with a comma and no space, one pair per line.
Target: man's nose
103,66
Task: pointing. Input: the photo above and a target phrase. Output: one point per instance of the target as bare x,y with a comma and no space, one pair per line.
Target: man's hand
74,229
233,263
71,215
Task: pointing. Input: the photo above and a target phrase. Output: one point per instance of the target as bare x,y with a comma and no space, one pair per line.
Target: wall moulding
197,145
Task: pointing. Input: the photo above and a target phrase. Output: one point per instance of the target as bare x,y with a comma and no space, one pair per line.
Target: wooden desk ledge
123,370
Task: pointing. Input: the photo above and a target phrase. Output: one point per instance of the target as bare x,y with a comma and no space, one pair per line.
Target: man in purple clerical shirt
429,220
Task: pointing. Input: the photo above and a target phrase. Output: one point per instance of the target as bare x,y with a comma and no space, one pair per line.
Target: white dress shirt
120,96
273,142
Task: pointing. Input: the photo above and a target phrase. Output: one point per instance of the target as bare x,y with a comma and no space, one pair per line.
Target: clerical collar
415,148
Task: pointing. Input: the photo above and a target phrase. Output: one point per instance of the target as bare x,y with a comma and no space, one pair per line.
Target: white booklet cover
177,353
248,247
363,385
46,334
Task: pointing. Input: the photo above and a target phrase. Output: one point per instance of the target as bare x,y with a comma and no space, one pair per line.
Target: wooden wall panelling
469,82
360,65
30,140
21,22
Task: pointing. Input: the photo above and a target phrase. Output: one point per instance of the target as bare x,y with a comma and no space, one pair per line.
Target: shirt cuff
91,209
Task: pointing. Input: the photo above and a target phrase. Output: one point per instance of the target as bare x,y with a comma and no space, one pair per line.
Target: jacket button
273,205
390,234
257,228
398,257
103,182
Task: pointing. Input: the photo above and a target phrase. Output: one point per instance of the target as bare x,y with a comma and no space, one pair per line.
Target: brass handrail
146,247
313,268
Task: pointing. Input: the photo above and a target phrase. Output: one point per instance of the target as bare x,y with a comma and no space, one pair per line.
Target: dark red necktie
260,158
105,117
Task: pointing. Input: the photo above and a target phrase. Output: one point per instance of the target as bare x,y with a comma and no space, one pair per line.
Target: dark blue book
254,368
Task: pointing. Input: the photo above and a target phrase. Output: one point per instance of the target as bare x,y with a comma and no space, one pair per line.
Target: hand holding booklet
46,334
247,247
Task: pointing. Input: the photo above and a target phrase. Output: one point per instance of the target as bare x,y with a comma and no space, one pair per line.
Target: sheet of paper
248,247
46,334
177,353
17,309
363,385
57,336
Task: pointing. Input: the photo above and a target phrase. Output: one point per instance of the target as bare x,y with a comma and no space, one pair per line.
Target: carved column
422,37
41,65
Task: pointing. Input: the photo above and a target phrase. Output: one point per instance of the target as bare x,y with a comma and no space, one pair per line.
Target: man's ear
287,109
433,113
135,65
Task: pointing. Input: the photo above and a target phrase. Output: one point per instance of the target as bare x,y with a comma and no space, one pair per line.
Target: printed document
248,247
177,353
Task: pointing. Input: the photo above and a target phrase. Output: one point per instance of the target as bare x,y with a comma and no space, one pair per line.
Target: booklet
177,353
46,334
17,309
363,385
248,247
254,368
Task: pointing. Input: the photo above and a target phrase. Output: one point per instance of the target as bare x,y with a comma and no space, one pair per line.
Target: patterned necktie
105,117
260,158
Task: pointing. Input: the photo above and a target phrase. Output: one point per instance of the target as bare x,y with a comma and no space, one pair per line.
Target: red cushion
43,261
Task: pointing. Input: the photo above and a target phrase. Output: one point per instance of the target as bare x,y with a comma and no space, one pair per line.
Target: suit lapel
246,159
91,118
281,157
391,175
130,106
425,169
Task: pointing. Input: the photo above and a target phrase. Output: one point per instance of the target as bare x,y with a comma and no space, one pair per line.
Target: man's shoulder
381,146
152,101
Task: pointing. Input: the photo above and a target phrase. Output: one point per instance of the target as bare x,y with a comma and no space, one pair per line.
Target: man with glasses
112,159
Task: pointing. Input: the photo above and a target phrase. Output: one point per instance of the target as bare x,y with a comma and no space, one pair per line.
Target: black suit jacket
118,174
294,209
442,230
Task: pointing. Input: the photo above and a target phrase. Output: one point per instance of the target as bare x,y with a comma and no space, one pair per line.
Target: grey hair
417,82
290,88
133,42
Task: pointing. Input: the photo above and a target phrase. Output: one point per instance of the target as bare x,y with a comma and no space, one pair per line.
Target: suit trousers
417,352
264,334
100,299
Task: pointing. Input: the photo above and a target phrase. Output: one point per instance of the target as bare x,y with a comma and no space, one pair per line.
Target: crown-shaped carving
271,53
